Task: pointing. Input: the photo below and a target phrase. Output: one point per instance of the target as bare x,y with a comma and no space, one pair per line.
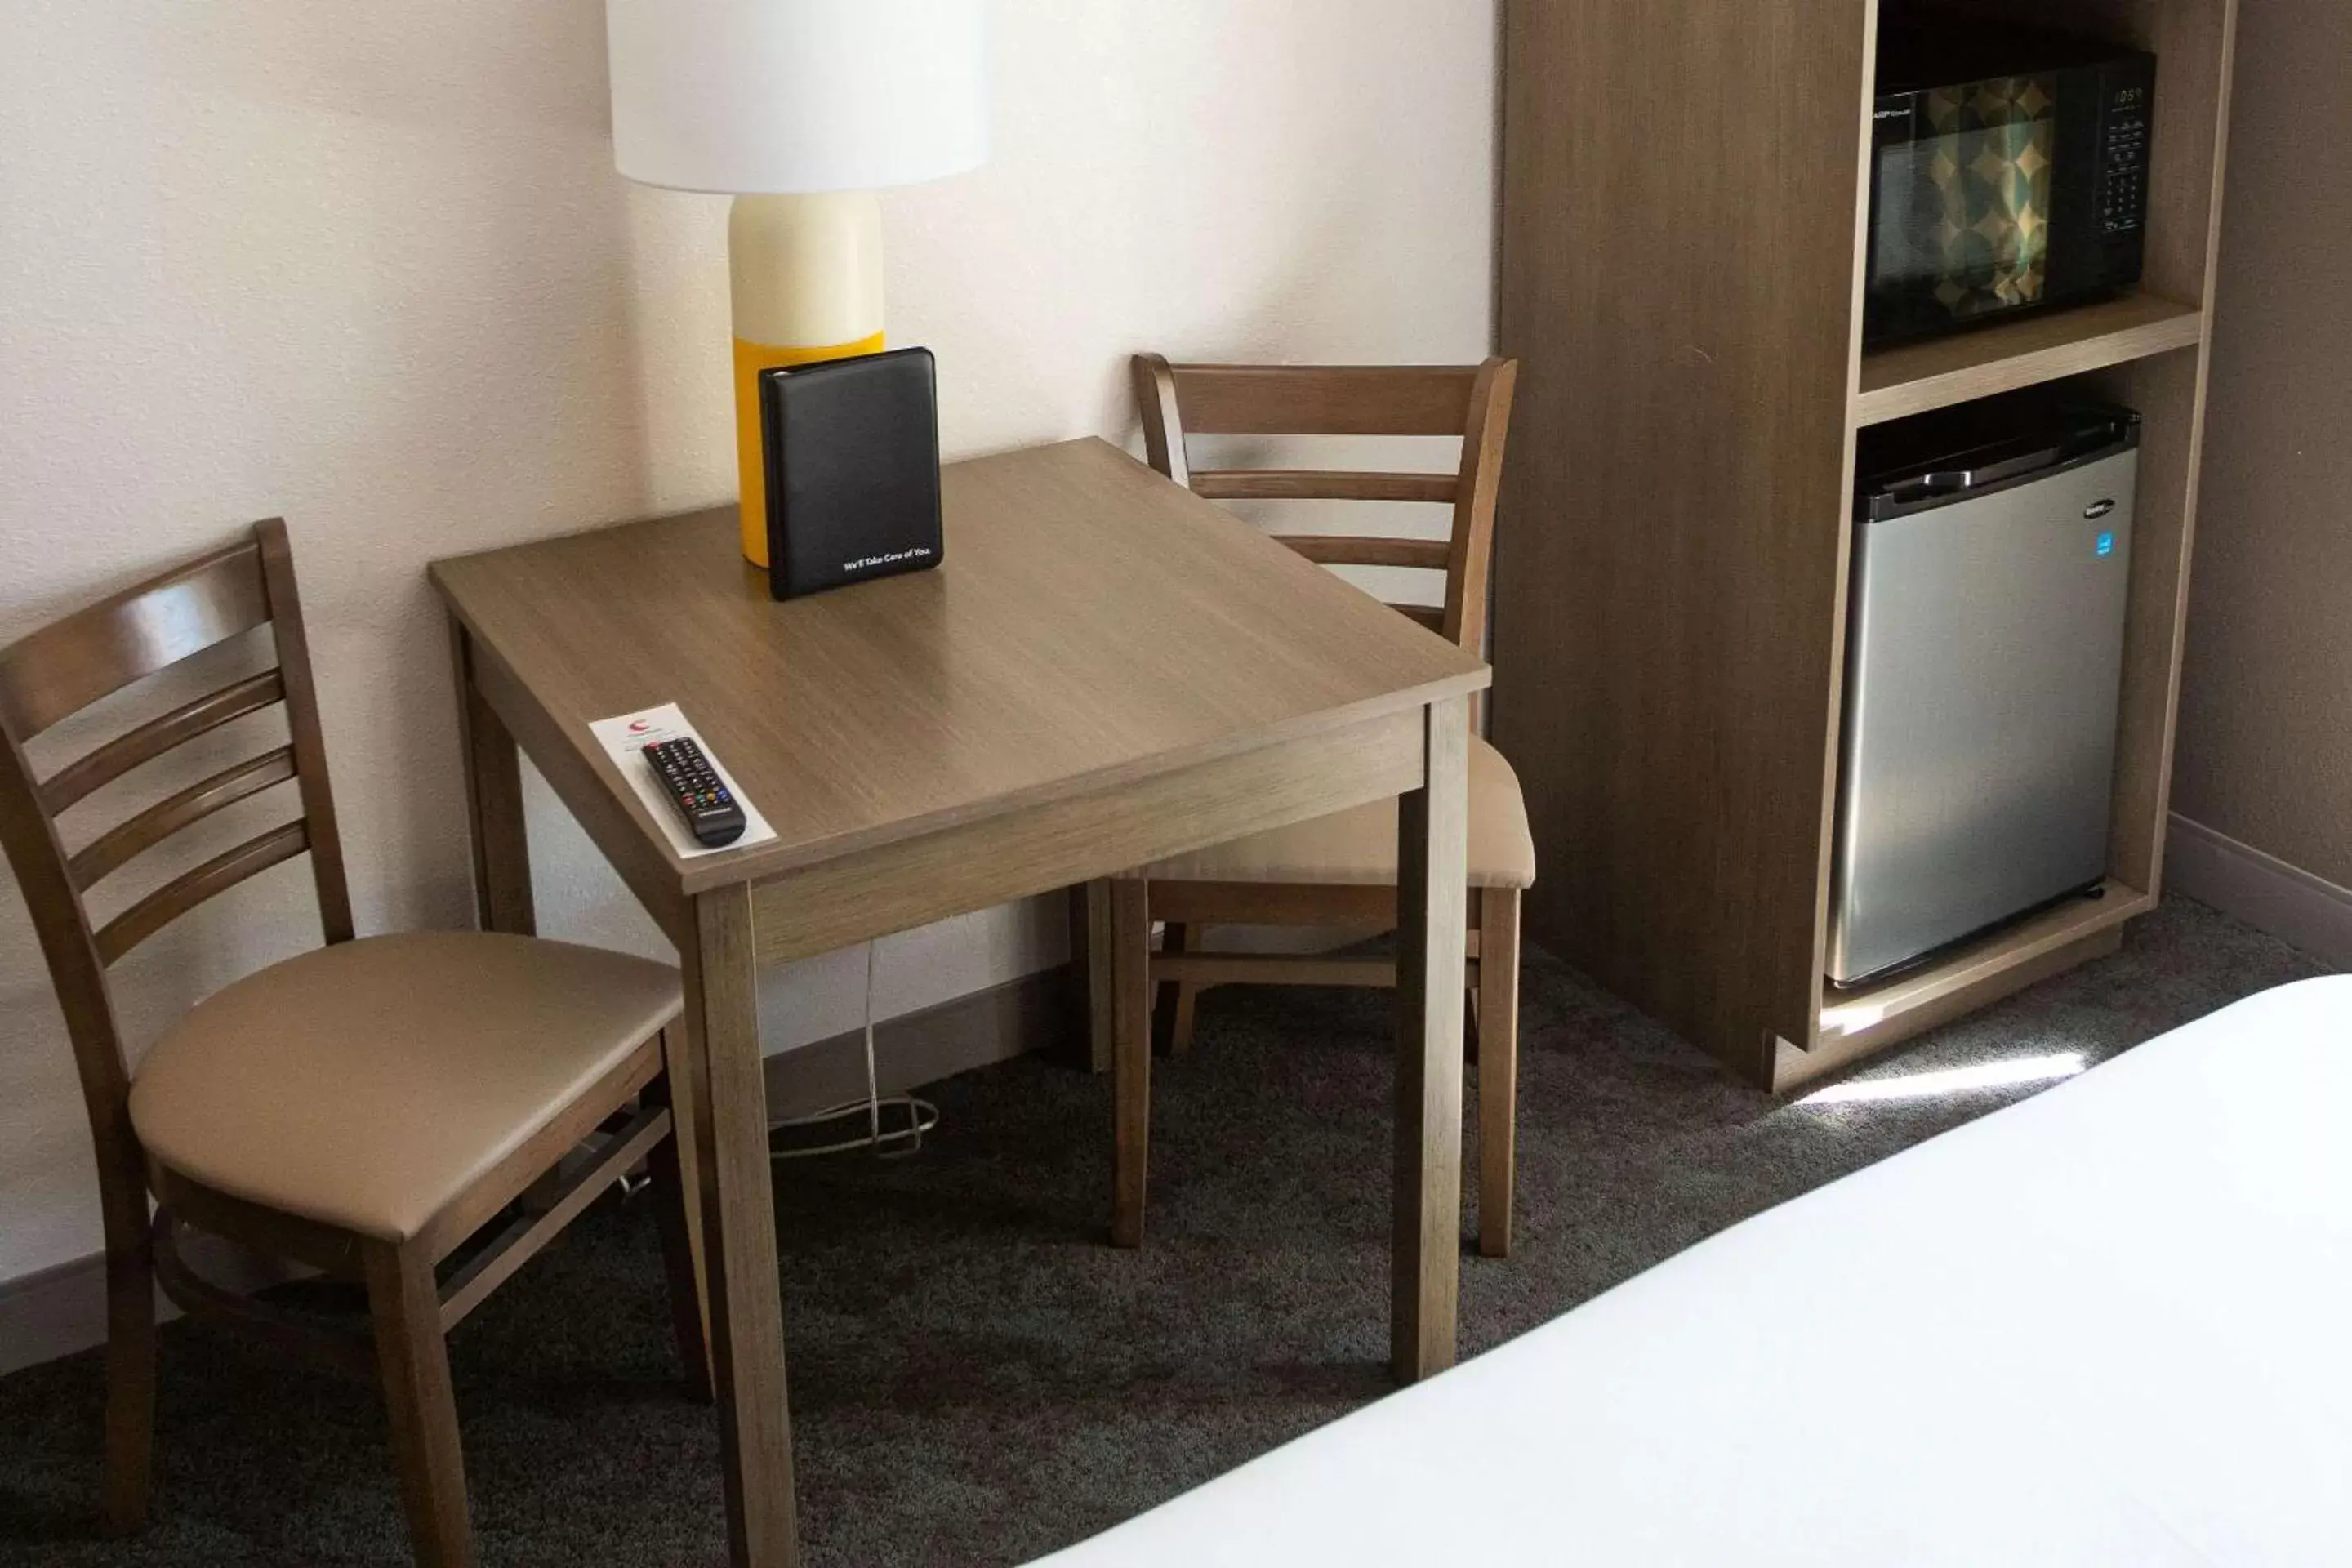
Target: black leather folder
852,447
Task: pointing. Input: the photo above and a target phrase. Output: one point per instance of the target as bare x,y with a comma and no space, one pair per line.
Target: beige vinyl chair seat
1359,846
368,1084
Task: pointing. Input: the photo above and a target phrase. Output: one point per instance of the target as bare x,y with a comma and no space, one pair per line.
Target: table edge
759,862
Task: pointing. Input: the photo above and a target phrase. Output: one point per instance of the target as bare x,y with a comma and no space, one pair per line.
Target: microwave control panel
2123,172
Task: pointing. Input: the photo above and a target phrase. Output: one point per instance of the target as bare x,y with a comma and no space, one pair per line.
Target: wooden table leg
1433,869
495,826
1130,986
719,1094
674,1168
1090,968
494,816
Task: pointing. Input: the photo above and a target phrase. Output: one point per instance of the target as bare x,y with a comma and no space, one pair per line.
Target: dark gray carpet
974,1378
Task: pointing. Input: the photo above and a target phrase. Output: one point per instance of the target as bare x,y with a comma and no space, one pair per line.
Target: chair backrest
1473,401
71,664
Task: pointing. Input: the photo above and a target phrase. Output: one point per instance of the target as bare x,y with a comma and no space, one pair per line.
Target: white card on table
624,738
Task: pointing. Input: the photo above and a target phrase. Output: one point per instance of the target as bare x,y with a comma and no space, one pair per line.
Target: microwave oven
2008,173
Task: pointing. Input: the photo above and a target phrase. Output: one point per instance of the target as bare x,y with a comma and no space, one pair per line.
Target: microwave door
1961,200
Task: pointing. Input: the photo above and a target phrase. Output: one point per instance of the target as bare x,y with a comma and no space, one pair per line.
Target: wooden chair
1336,871
364,1108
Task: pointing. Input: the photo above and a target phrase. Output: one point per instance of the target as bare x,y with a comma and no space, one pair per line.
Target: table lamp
799,109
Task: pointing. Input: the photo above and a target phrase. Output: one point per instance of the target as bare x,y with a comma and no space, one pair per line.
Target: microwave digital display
2002,192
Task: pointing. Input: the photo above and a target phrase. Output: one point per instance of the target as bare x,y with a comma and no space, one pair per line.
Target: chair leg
130,1382
1174,1004
1179,1034
413,1359
1498,1065
1131,962
678,1215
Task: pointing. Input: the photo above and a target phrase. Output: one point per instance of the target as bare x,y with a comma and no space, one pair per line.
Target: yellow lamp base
750,359
805,279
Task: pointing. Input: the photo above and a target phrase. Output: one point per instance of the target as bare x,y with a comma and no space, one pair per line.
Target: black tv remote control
693,786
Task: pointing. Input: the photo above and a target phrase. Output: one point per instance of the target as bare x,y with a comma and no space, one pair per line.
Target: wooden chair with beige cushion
365,1108
1339,871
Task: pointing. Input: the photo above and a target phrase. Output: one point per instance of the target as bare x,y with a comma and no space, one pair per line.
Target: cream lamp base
806,272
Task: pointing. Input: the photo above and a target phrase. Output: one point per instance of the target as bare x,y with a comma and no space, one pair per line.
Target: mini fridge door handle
1957,481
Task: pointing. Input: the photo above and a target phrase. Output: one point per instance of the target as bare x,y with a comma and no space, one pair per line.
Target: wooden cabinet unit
1684,208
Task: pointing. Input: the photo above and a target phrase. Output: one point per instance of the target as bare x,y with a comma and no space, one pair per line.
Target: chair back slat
1368,550
1310,484
110,851
65,666
1324,400
71,664
183,893
1471,403
159,735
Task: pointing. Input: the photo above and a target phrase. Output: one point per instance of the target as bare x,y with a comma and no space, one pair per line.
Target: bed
2110,1325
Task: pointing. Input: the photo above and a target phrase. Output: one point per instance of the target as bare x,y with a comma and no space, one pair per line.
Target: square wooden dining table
1105,671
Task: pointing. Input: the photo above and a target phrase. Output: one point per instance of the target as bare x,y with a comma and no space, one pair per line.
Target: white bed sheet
2110,1325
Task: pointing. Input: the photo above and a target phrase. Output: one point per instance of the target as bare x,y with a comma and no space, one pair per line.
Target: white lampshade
781,96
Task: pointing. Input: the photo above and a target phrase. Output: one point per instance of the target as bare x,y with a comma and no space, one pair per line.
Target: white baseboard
61,1309
2261,889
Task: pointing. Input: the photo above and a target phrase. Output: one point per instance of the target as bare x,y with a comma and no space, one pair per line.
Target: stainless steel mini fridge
1984,661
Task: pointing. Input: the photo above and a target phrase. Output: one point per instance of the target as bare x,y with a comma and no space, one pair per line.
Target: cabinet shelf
1912,378
1856,1022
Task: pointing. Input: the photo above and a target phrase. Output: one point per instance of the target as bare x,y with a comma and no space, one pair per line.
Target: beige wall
2265,751
370,267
